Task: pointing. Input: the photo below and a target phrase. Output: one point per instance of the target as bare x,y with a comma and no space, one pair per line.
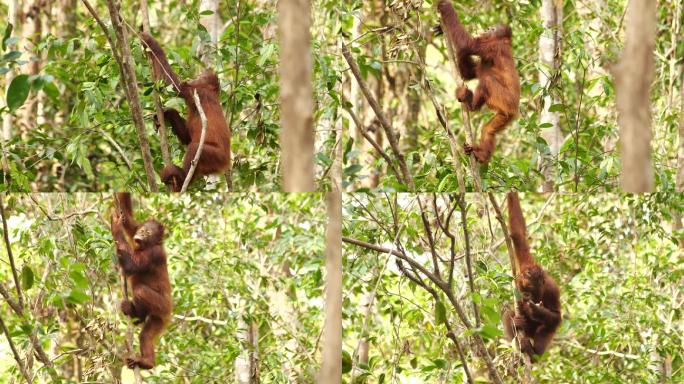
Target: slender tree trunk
331,353
549,55
31,31
246,365
12,6
331,365
633,76
296,95
132,92
66,28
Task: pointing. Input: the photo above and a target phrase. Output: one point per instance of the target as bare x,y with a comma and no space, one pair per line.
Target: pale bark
592,13
679,186
214,26
549,55
296,95
31,30
246,367
12,6
331,353
633,76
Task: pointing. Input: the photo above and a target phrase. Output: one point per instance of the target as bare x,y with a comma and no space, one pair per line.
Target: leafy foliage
617,259
87,141
407,66
232,260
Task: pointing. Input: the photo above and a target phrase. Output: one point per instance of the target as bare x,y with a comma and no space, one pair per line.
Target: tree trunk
246,365
633,76
331,353
549,55
296,99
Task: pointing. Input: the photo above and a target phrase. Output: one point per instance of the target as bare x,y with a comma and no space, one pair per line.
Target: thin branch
504,227
370,139
62,218
17,358
436,280
195,160
431,239
117,147
4,292
389,131
8,247
466,236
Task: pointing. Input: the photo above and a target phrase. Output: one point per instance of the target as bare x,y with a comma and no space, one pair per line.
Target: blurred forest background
66,120
246,275
618,259
566,137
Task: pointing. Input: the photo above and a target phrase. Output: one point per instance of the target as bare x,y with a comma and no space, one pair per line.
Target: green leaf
440,313
556,108
77,297
346,362
18,92
8,33
489,331
27,277
11,56
78,279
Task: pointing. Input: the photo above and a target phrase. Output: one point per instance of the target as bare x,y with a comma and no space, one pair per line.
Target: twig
195,160
62,218
466,236
370,139
201,319
602,353
117,147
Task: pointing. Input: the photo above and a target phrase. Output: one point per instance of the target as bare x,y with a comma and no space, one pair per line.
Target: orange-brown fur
499,84
539,310
144,265
215,156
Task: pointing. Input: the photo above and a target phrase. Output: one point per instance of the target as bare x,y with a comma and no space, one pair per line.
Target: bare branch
195,160
389,131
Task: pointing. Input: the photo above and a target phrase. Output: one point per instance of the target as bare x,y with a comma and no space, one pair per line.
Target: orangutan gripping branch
499,84
215,156
539,310
144,266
